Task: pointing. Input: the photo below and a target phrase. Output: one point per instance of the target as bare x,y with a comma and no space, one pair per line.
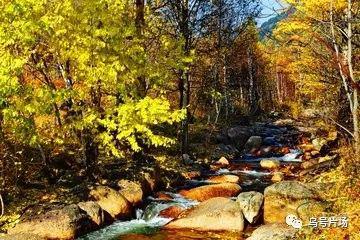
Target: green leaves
77,67
133,121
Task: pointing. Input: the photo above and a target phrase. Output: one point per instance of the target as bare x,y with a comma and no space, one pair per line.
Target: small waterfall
147,221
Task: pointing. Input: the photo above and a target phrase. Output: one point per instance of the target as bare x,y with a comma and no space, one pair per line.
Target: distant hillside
267,27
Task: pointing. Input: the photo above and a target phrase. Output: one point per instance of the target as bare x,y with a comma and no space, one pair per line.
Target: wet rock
172,212
94,210
215,214
284,198
222,161
210,191
254,142
163,196
250,204
270,163
132,191
224,179
274,232
277,177
112,202
66,223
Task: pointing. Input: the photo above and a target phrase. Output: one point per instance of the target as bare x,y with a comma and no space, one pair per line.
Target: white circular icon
293,221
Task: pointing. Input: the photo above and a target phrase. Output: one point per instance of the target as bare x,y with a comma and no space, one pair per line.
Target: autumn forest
140,119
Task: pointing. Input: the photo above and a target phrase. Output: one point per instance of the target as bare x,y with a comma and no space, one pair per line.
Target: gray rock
286,197
112,202
250,204
94,210
254,142
132,191
66,223
238,136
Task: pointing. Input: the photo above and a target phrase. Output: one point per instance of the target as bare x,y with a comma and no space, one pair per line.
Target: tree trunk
185,100
140,24
355,115
90,152
252,97
184,83
140,16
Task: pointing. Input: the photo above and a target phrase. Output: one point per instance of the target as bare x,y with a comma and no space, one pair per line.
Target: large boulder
112,202
216,214
290,197
274,232
270,163
224,179
250,204
210,191
254,142
132,191
94,210
66,223
238,136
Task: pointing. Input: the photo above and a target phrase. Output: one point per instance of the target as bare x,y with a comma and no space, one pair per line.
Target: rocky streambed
245,194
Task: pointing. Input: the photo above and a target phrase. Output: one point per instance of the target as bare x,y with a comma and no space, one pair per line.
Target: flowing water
148,223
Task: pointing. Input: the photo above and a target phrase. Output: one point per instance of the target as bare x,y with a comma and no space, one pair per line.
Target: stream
147,224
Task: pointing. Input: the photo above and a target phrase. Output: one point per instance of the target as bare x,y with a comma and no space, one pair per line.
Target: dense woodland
85,83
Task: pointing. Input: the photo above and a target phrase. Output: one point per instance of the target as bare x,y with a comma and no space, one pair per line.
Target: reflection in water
184,235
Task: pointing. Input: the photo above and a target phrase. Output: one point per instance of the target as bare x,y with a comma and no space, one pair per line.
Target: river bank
264,159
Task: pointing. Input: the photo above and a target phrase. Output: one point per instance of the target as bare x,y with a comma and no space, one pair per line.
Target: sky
269,8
